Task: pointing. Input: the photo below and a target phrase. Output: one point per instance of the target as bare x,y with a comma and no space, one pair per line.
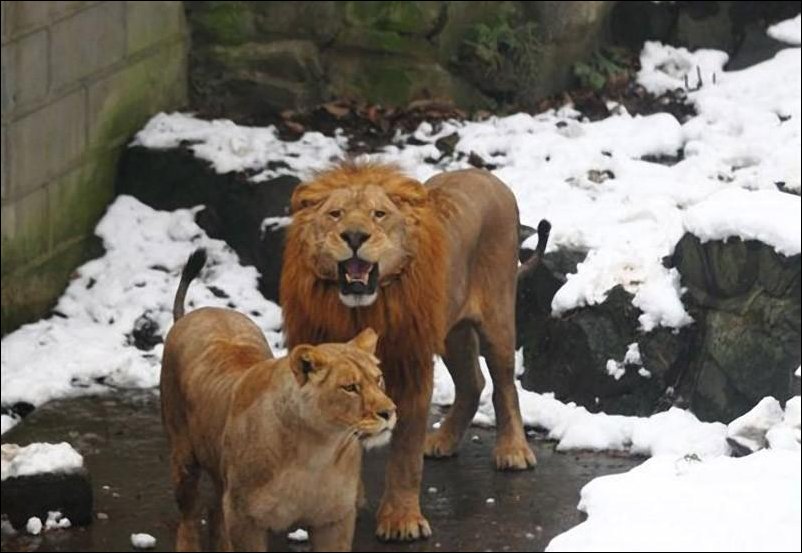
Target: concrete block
25,16
79,199
27,62
87,42
27,234
121,104
45,142
149,23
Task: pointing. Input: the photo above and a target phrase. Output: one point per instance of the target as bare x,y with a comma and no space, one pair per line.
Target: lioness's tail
194,265
529,264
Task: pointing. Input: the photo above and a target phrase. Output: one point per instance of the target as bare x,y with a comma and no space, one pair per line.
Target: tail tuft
191,270
529,265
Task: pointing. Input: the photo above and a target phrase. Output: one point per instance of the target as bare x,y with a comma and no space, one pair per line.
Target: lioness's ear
365,340
306,195
302,362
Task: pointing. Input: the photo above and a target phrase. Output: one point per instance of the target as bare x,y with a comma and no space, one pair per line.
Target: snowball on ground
143,541
39,458
676,503
298,535
34,526
56,520
789,31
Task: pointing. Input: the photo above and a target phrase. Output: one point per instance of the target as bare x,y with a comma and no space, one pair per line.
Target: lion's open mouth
357,280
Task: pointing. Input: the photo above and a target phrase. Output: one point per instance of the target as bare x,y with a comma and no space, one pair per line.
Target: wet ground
125,450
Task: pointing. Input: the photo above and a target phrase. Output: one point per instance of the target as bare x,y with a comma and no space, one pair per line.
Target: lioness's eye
335,213
351,388
379,214
380,381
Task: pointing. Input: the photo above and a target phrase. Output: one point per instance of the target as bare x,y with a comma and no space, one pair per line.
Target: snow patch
298,535
143,541
38,458
789,31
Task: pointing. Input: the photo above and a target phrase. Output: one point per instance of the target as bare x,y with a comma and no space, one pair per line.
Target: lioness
434,269
280,438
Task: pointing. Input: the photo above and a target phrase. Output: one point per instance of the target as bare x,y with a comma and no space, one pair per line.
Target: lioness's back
199,374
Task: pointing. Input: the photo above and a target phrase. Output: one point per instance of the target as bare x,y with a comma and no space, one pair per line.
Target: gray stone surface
86,42
28,65
151,22
78,78
46,142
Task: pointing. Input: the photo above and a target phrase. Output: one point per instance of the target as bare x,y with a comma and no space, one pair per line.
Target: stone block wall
78,79
252,58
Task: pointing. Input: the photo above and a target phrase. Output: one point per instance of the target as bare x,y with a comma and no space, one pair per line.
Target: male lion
433,268
280,438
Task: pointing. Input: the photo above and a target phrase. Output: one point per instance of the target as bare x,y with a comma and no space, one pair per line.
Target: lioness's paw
514,457
439,445
402,526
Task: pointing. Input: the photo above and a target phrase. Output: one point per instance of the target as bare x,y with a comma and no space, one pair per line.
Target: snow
34,526
676,503
230,147
675,431
7,422
298,535
764,215
615,369
56,520
39,458
143,541
632,356
789,31
749,430
146,250
274,223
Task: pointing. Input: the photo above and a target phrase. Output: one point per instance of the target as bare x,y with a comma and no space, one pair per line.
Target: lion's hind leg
186,478
462,360
512,452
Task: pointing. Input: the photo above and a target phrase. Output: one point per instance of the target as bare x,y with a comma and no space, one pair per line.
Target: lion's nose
354,238
386,414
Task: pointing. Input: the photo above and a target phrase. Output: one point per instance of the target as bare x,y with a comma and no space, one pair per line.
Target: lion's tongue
356,269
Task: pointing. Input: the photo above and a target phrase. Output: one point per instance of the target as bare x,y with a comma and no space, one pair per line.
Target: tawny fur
281,439
452,292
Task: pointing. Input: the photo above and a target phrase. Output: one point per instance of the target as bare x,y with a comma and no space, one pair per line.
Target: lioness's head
342,388
357,224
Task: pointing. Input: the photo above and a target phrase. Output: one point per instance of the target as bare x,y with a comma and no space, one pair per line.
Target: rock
748,432
745,299
317,21
34,496
743,346
235,207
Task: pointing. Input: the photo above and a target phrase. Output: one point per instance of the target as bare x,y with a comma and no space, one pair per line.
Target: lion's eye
379,214
380,382
336,213
351,388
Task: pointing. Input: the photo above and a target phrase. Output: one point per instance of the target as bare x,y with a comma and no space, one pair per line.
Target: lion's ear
302,363
408,192
305,195
365,340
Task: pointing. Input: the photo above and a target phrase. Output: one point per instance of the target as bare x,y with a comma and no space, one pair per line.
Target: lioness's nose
354,238
386,414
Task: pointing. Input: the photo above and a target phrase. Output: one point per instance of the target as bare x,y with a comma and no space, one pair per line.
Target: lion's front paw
401,525
438,444
516,456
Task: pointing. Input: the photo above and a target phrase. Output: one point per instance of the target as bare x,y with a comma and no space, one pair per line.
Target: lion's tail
194,265
529,264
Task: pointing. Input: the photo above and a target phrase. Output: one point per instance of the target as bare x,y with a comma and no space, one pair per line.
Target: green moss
414,18
223,22
603,65
386,42
29,293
